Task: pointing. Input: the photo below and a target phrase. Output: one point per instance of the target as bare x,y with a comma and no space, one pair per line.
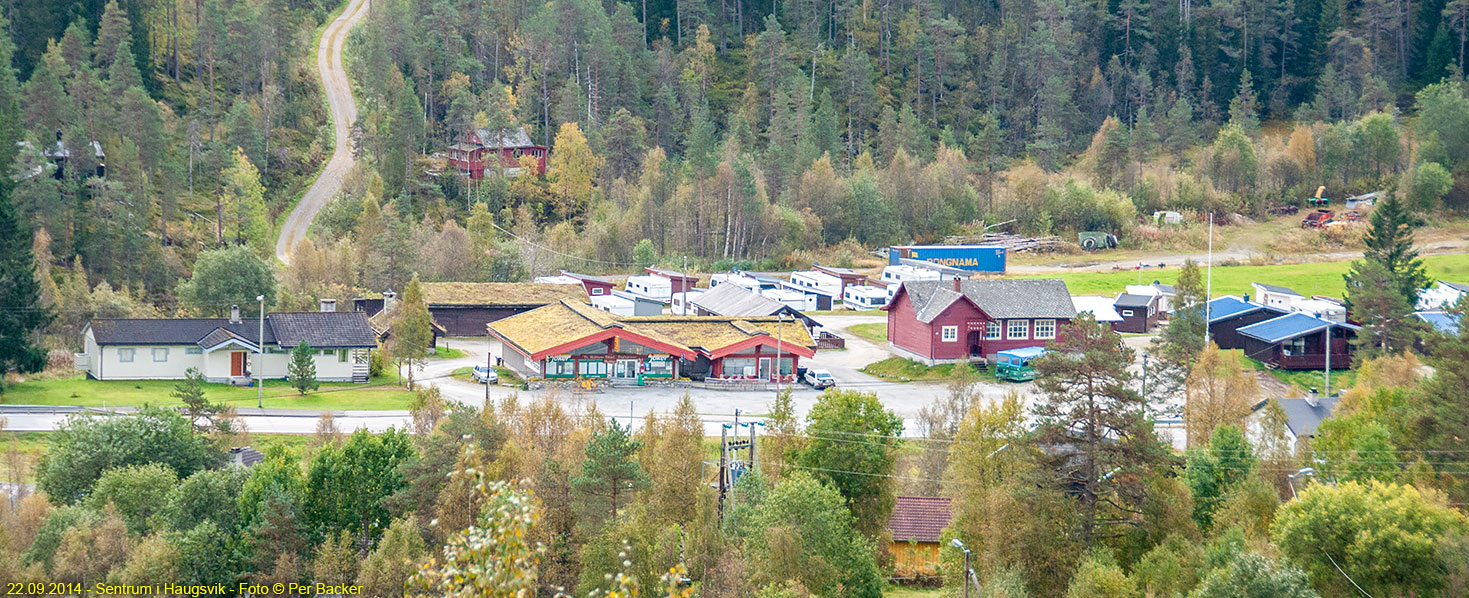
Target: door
237,363
765,372
626,368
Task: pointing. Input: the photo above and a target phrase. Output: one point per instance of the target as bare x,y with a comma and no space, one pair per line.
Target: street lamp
960,545
260,354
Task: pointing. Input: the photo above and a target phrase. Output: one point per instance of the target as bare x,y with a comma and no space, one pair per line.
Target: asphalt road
629,404
344,113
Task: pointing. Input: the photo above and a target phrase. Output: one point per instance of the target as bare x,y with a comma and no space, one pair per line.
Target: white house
792,298
227,349
1321,308
557,279
615,305
864,297
1274,295
823,282
1441,296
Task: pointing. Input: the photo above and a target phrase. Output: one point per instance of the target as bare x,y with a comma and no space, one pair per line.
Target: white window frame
1017,333
156,354
949,334
598,290
1127,313
993,330
194,350
1049,326
126,354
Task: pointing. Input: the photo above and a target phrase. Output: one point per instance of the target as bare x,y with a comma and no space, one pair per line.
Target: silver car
485,374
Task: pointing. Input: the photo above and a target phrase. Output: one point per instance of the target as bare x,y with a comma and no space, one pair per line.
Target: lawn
382,393
447,353
877,332
1306,380
897,369
1315,278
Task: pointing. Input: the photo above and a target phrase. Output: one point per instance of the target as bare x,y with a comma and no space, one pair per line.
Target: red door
237,363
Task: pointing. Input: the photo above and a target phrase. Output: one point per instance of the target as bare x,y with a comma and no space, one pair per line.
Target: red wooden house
943,321
476,152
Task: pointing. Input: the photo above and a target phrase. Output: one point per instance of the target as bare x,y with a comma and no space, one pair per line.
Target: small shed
917,526
1139,313
1275,295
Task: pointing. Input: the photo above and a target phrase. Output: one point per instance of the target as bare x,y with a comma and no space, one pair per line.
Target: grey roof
164,331
1457,286
837,270
585,277
246,456
342,329
1001,299
1276,288
1166,289
1131,300
1304,418
322,329
221,336
507,137
735,300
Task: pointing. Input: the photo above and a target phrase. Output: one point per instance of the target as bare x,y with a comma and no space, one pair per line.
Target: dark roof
338,329
221,336
165,331
1289,326
1461,287
1441,321
344,329
246,456
1225,308
919,519
837,270
670,274
507,137
1276,288
1001,299
1131,300
1303,417
735,300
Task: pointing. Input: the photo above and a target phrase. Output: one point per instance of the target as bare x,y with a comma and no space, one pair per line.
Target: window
560,367
598,291
341,356
593,369
992,330
125,355
194,350
160,354
1295,346
1045,329
742,366
1127,313
1016,329
950,333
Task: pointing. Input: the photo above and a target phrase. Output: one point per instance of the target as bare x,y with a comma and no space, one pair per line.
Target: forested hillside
725,133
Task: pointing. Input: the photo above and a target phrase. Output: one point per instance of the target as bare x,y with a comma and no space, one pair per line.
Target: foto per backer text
173,589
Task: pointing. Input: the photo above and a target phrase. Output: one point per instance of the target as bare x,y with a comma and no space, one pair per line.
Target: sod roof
499,293
567,325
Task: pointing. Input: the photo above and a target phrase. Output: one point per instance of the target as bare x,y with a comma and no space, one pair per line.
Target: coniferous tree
1390,244
610,475
412,331
302,369
24,316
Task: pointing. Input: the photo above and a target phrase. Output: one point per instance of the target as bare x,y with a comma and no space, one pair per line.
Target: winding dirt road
344,113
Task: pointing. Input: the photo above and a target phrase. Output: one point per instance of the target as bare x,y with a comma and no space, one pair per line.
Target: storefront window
593,369
739,366
560,368
658,368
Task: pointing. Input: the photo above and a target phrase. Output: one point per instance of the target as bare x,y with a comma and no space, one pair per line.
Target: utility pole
260,354
723,467
1209,280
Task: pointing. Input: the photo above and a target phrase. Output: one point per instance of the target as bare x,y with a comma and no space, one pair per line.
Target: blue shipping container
974,258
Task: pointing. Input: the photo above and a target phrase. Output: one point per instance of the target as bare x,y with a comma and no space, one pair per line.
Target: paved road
630,404
344,113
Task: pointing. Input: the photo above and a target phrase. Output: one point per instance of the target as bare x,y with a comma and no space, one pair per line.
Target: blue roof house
1300,341
1226,315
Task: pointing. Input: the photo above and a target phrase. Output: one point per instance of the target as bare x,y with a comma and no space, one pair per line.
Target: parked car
820,379
485,374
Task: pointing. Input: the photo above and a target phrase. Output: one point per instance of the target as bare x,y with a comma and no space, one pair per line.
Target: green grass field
441,352
876,332
382,393
897,369
1316,278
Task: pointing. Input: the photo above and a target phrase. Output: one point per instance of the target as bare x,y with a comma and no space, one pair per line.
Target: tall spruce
24,317
610,475
302,369
1390,243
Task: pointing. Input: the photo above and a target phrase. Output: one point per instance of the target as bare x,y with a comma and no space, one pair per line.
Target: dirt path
344,113
1175,260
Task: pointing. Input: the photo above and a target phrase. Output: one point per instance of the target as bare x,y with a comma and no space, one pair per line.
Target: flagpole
1209,279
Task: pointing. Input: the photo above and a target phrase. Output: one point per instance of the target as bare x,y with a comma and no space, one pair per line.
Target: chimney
1247,297
956,285
234,314
390,300
328,305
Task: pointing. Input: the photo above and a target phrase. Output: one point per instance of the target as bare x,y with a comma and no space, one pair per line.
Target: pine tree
24,316
610,474
302,369
10,115
1244,108
190,391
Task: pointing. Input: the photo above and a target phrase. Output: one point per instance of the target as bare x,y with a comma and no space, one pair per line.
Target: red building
477,151
943,321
